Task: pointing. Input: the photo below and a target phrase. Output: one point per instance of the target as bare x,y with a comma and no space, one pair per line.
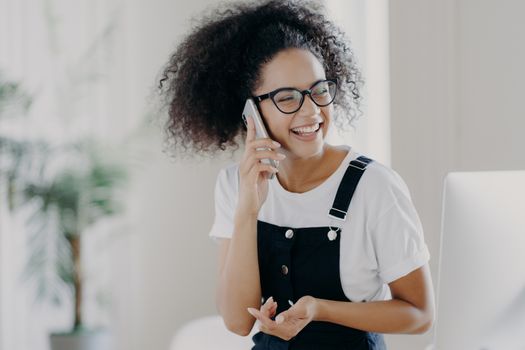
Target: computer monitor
481,282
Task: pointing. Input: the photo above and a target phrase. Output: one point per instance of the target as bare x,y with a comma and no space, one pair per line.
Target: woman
329,253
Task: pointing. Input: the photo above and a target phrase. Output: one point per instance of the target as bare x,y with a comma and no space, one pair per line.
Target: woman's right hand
253,173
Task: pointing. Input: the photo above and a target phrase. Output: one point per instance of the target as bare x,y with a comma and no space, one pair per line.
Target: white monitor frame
481,280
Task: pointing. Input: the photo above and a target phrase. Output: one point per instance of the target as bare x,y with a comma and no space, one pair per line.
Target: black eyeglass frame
271,95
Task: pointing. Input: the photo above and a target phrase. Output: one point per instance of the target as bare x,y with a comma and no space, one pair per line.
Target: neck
296,173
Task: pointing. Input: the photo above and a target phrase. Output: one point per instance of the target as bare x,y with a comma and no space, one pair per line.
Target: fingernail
276,143
281,155
290,302
269,299
251,311
279,319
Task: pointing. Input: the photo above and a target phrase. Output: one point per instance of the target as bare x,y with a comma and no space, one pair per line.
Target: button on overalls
294,262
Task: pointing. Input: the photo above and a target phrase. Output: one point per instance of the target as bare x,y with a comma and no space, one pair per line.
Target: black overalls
294,262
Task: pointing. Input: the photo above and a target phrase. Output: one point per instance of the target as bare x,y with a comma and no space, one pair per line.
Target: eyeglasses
289,100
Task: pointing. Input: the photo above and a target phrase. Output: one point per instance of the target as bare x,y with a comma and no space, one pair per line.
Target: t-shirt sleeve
225,204
397,234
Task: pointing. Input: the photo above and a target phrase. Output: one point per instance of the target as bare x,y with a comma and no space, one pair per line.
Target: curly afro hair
217,66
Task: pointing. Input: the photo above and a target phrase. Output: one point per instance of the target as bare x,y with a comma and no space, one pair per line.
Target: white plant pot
82,340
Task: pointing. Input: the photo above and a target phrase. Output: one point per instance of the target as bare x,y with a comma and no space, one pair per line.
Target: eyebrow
291,87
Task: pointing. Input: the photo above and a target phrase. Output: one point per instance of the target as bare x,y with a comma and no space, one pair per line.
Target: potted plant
66,200
77,196
15,154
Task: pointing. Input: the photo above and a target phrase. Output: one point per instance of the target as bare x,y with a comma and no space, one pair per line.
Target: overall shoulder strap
347,187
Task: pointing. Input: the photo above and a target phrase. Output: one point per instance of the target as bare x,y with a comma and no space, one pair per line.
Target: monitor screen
481,282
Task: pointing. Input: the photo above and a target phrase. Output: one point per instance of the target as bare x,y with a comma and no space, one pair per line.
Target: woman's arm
239,283
411,309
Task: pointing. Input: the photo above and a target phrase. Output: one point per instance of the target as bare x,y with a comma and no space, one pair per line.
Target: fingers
257,149
265,307
265,321
251,138
267,146
291,313
269,307
252,163
261,167
283,330
250,135
264,143
268,154
286,324
264,315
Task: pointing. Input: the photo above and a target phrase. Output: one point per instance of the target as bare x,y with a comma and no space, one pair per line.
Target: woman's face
300,69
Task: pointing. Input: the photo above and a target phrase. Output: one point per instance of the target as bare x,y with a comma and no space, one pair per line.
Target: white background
443,93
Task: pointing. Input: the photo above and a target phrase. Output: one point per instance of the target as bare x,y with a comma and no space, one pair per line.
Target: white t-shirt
381,239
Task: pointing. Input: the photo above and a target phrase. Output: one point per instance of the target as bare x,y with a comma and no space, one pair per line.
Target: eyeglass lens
290,100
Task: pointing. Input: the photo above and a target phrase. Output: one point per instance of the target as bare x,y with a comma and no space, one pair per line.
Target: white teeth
307,129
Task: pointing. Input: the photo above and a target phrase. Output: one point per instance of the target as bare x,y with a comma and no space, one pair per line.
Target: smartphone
250,109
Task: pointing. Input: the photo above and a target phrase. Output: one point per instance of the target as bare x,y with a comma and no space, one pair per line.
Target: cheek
279,127
276,124
328,113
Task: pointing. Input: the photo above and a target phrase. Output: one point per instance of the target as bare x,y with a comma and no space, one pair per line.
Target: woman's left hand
290,322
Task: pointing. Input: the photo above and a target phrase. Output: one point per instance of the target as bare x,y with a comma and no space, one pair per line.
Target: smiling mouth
307,130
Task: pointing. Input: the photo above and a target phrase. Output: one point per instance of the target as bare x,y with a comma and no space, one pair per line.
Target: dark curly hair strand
217,66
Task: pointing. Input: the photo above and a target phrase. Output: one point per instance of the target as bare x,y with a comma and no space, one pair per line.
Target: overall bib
294,262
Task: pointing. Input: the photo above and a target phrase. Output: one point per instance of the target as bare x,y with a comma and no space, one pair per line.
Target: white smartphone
250,109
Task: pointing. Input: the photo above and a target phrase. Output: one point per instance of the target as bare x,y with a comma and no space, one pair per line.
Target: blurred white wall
169,258
456,97
366,24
